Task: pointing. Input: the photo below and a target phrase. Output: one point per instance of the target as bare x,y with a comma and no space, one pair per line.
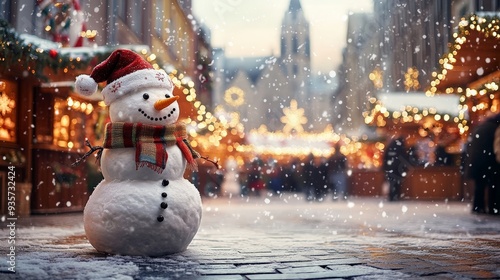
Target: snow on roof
90,51
77,51
443,103
39,42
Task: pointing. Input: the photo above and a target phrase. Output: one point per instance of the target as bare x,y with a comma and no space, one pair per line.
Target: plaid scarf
150,142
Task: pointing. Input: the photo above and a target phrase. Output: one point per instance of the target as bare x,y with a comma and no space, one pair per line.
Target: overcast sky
252,27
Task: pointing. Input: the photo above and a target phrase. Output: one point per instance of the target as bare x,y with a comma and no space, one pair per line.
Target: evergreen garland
37,61
15,52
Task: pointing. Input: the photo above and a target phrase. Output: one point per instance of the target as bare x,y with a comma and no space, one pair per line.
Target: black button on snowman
143,163
163,205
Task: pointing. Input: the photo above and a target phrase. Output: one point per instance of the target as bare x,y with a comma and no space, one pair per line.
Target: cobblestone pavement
280,237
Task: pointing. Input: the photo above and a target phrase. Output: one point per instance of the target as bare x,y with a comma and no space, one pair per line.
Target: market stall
42,124
471,71
429,127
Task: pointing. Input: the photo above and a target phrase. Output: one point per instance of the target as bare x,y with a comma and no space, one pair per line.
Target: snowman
144,206
231,186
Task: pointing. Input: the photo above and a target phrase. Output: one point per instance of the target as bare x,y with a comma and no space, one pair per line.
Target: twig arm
93,149
216,163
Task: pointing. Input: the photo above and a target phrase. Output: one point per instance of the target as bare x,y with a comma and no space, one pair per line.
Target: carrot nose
163,103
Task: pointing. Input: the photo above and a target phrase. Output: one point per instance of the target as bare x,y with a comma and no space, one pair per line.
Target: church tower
296,51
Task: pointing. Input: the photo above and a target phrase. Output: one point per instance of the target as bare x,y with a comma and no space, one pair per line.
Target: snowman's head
135,91
152,106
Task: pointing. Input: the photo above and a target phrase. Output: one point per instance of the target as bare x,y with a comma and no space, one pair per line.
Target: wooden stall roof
478,84
474,54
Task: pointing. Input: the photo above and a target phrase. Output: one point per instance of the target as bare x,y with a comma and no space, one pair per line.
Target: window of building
131,13
307,47
487,5
283,45
64,121
121,9
69,122
173,36
159,8
295,44
136,11
5,6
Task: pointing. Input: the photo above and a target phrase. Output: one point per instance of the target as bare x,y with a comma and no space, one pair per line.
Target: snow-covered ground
281,227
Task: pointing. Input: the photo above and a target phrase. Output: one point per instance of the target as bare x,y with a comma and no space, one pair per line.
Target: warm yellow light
65,120
293,118
234,96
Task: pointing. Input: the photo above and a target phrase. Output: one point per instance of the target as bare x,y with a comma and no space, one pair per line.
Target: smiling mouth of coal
157,118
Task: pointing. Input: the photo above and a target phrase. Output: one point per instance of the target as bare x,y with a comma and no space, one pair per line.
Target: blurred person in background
395,166
255,180
337,173
482,167
307,177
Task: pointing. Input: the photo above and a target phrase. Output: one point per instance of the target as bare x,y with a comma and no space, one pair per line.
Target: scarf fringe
193,166
189,154
150,165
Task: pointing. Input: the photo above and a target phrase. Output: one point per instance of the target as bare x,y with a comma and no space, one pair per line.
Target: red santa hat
124,71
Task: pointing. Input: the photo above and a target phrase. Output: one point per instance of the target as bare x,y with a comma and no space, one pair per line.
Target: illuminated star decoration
6,104
293,118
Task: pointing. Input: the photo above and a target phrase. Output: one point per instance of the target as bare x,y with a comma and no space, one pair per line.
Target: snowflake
6,104
160,77
115,87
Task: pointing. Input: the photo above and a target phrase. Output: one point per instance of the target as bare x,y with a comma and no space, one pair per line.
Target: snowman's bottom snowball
121,217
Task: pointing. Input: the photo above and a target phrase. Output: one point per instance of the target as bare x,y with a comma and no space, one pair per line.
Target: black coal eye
145,96
167,96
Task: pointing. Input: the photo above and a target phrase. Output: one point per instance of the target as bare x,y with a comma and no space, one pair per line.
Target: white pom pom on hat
85,85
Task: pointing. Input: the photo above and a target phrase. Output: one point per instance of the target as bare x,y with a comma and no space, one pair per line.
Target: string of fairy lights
490,28
209,129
